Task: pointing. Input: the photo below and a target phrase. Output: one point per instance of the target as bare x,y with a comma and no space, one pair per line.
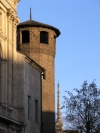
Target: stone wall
44,55
20,78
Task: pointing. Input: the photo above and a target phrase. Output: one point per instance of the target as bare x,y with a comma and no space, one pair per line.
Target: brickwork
44,55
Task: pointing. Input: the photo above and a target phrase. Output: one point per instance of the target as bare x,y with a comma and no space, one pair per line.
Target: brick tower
38,41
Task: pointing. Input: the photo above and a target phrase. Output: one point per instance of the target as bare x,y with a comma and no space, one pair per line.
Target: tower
38,41
59,123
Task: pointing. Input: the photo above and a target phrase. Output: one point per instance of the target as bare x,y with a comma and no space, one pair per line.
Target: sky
78,47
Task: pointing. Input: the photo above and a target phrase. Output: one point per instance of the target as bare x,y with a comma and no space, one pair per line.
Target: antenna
30,14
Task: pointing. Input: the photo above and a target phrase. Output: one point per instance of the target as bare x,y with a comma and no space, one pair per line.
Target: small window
36,110
54,36
25,36
44,37
29,106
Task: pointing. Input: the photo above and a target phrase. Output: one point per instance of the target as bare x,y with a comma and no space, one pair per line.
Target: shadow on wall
48,122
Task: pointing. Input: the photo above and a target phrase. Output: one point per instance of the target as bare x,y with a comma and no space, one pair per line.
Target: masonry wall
44,55
18,78
8,22
32,89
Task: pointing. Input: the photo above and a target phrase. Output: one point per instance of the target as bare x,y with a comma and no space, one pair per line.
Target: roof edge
32,23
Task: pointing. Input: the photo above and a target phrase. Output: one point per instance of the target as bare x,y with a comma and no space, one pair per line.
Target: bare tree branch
83,109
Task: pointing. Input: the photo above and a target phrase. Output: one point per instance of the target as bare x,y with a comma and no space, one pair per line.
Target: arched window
25,36
44,37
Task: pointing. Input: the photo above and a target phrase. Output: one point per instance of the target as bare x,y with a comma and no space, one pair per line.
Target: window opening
36,110
44,37
29,106
25,36
18,41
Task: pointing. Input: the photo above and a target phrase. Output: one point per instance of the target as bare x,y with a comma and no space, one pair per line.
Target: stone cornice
16,2
5,3
8,4
13,3
34,64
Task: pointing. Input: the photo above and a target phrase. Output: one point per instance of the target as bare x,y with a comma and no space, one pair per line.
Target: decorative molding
5,3
3,37
16,2
13,3
12,17
16,21
10,14
15,127
8,113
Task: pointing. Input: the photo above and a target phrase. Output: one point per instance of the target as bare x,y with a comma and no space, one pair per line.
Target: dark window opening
36,110
54,36
29,106
18,41
44,37
25,36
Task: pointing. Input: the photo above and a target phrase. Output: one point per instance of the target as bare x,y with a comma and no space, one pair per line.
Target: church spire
30,14
58,104
59,123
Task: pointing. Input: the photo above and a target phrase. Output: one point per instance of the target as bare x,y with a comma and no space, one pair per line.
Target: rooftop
32,23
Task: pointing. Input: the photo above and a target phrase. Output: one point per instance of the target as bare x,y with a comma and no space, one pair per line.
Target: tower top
32,23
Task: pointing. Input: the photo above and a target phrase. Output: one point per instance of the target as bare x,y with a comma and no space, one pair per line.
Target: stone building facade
27,94
20,79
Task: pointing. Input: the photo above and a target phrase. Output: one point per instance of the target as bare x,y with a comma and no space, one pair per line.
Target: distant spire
59,123
58,104
30,14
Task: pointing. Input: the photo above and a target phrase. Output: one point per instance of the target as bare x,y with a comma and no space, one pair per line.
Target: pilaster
12,22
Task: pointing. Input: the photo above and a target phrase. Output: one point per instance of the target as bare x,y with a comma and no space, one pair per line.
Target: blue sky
78,47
